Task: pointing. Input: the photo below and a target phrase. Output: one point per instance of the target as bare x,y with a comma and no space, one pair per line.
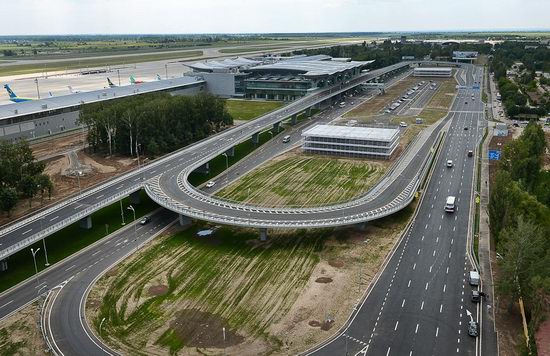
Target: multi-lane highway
419,304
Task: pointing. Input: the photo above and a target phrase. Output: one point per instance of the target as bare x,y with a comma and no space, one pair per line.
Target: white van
343,104
450,204
286,139
474,278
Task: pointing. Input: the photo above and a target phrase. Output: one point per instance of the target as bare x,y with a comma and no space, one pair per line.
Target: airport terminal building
445,72
275,78
365,142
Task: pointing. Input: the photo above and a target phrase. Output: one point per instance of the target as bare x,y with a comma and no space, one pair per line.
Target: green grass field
70,240
226,278
250,109
96,62
306,181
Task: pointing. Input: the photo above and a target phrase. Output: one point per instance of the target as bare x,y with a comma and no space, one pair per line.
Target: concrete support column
293,119
308,112
276,127
135,198
256,138
86,223
3,265
230,152
205,168
263,234
184,220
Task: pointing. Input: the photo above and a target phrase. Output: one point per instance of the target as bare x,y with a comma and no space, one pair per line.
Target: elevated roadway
37,226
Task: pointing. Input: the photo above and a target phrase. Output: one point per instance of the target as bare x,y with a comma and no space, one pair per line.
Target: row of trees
153,124
20,175
519,210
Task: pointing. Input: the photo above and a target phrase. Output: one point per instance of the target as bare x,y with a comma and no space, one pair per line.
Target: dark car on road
144,220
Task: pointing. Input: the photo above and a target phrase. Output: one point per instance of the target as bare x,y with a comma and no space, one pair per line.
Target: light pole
78,174
34,252
166,69
226,161
130,207
223,330
122,213
44,244
37,89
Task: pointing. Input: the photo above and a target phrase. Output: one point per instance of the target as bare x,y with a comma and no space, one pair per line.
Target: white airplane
74,91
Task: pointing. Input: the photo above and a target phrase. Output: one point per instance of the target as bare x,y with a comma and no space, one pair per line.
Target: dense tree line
533,58
20,175
519,210
388,52
153,123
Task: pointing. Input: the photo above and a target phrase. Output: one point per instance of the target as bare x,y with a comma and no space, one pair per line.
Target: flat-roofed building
433,72
367,142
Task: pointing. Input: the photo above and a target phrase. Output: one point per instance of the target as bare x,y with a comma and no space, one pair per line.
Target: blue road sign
494,155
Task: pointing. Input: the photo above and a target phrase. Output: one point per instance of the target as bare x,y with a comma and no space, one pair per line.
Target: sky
22,17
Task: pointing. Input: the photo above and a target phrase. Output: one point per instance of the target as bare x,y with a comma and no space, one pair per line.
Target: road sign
494,155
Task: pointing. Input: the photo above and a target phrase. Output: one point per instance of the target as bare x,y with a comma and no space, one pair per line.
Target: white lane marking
440,227
26,232
403,304
414,266
408,285
99,196
55,217
437,239
78,206
70,268
422,306
436,331
431,268
422,239
433,253
8,303
387,353
427,283
416,330
444,288
441,308
95,253
396,323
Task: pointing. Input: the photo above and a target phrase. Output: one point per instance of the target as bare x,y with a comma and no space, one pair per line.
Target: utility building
433,72
368,142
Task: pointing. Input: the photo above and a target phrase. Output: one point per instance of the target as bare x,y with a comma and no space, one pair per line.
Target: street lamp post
223,330
130,207
226,161
44,244
122,213
37,89
78,174
166,69
34,252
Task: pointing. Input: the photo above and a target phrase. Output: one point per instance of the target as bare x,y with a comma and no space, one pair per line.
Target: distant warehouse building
367,142
433,72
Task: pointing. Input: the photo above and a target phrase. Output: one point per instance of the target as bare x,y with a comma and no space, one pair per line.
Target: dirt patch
336,263
58,146
158,290
20,334
324,280
201,329
314,324
327,324
95,164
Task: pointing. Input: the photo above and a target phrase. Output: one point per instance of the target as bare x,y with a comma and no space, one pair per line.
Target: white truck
450,204
474,278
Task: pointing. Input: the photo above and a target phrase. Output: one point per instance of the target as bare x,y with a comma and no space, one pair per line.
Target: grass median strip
70,240
250,109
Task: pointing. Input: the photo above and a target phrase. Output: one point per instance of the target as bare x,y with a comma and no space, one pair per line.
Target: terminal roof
65,101
310,68
225,64
352,132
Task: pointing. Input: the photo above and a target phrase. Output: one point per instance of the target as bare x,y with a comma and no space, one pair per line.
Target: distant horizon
472,31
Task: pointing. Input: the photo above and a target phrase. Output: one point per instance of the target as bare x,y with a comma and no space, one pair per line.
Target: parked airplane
74,91
111,84
134,81
14,97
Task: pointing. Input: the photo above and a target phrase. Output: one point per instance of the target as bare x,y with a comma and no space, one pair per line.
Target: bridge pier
276,127
135,198
256,138
308,112
293,119
205,168
184,220
3,265
263,234
230,152
86,222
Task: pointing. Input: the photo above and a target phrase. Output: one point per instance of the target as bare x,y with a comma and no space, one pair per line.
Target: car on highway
450,204
286,139
144,220
470,153
473,278
473,328
402,124
210,184
476,296
450,163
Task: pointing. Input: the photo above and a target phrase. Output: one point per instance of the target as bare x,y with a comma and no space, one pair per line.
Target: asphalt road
419,304
56,218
